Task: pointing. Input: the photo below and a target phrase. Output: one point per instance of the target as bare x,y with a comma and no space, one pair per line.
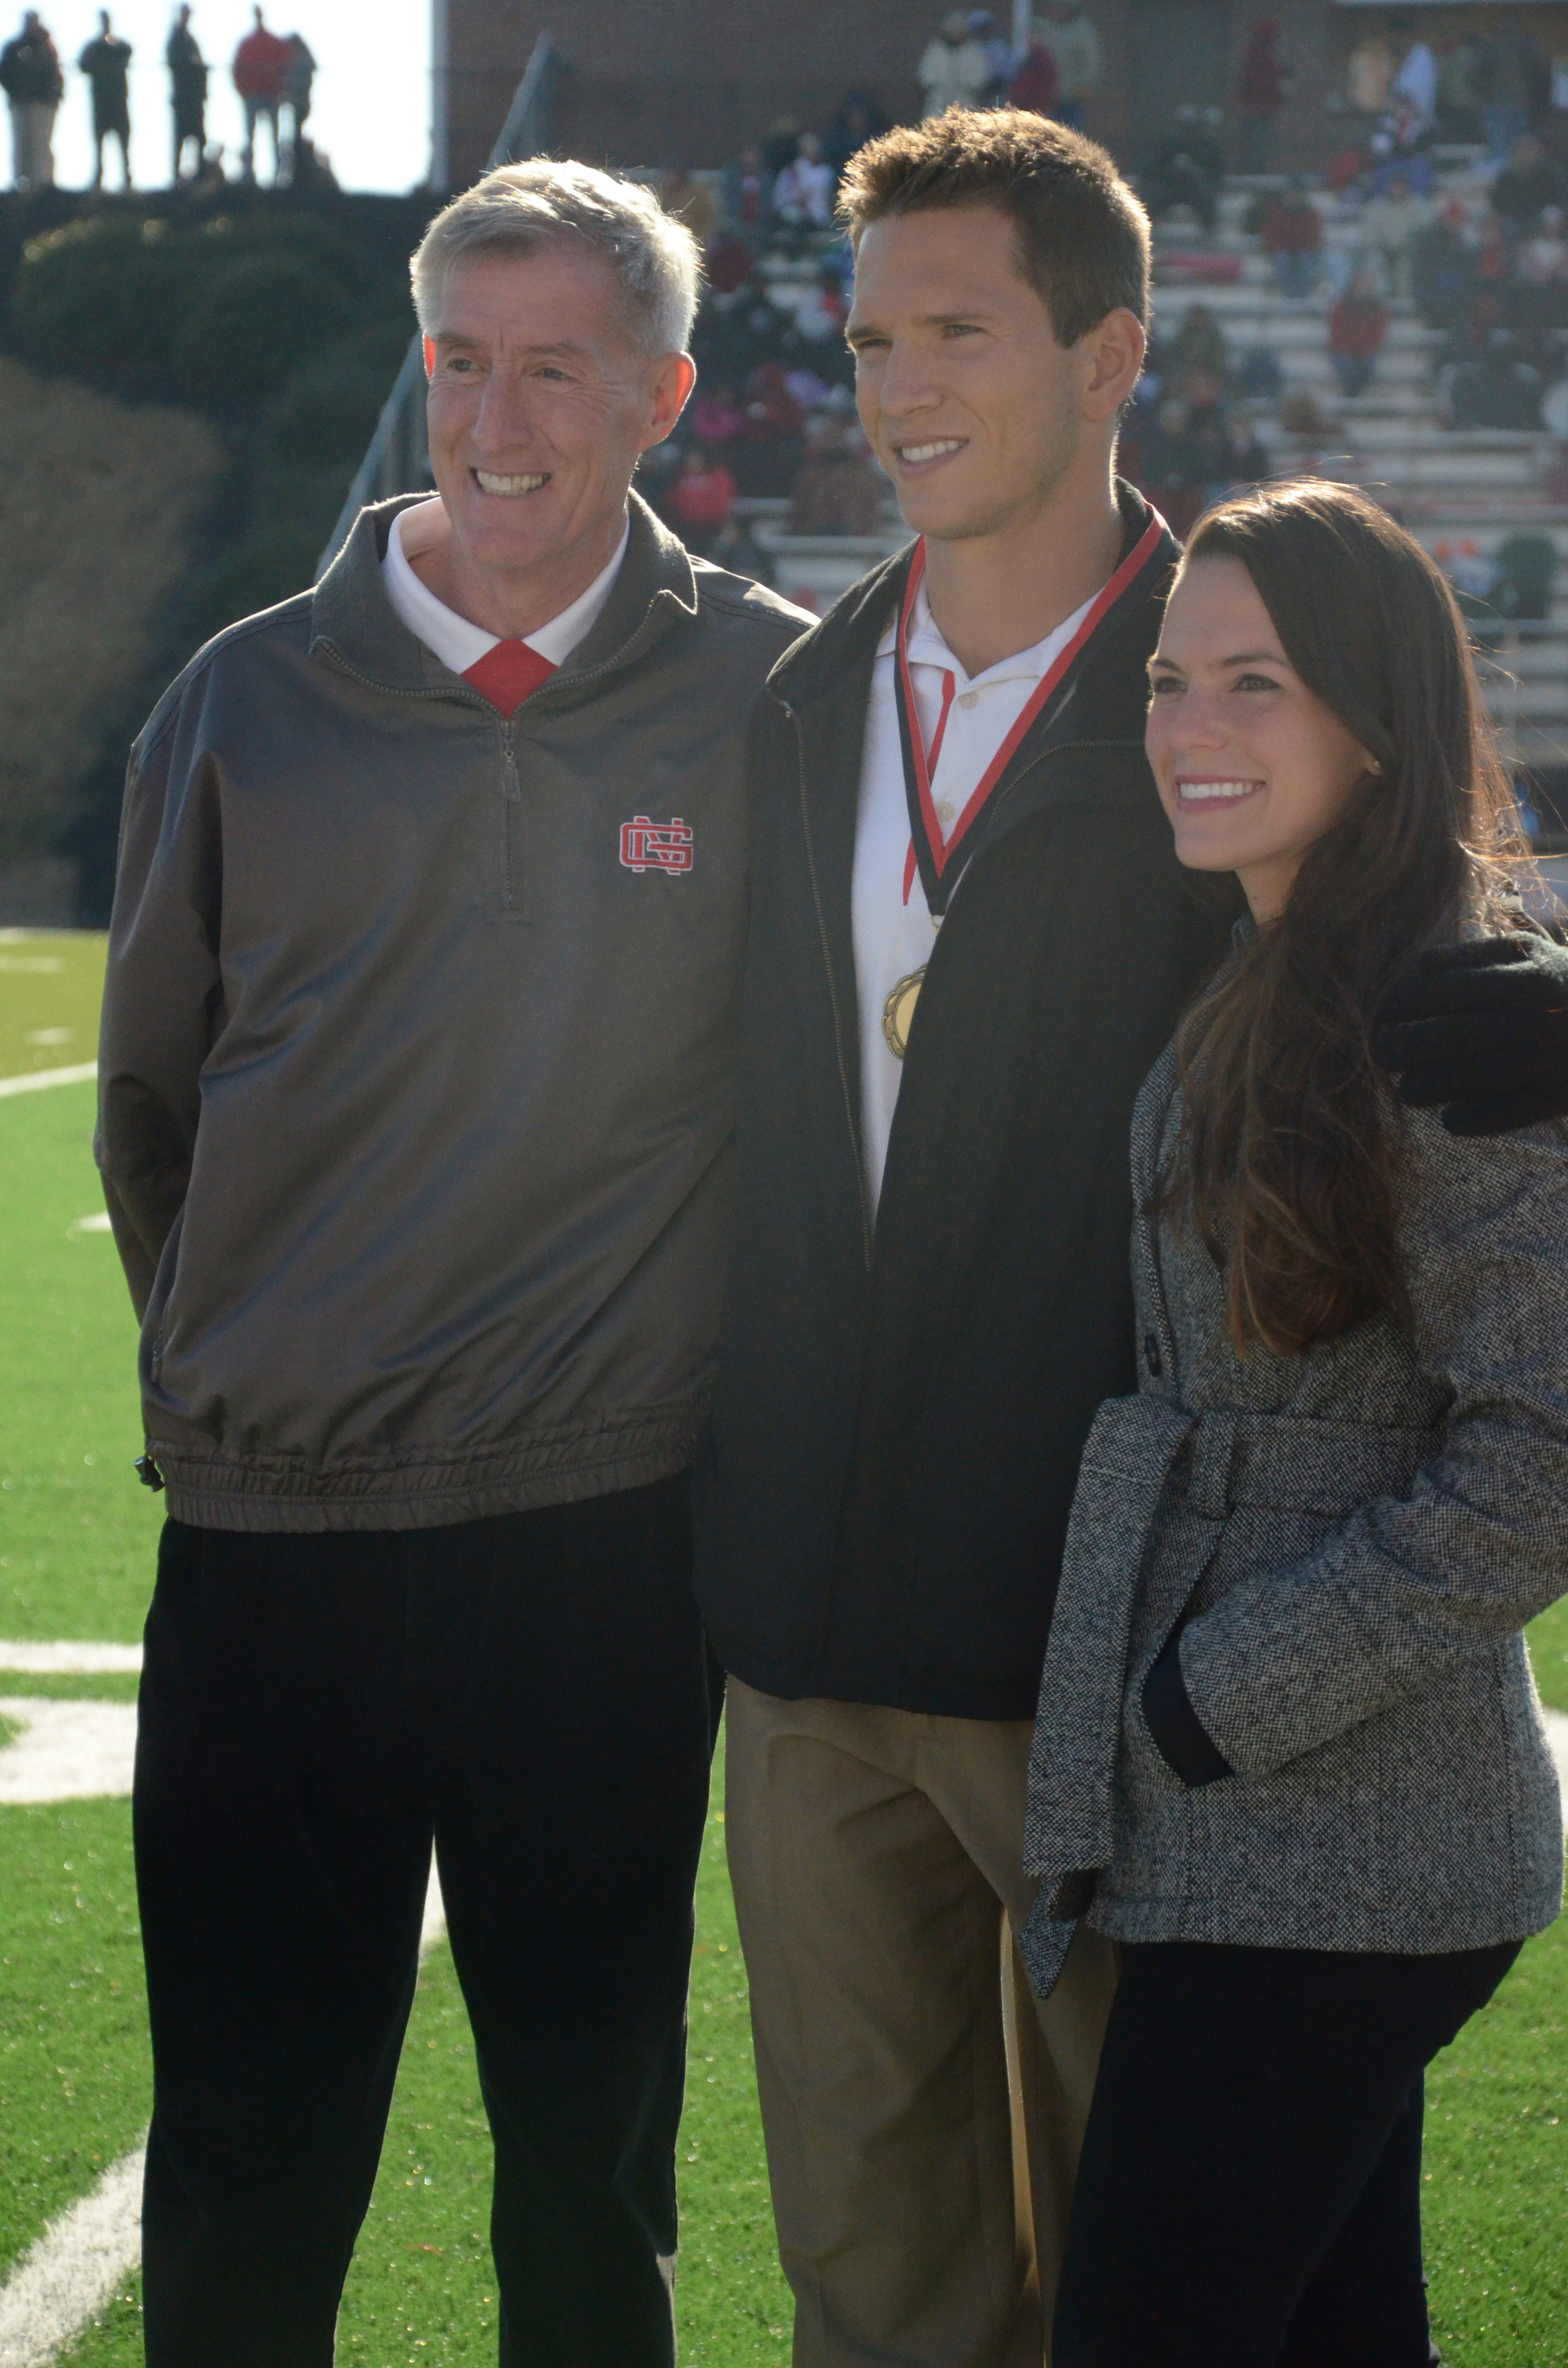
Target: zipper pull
510,785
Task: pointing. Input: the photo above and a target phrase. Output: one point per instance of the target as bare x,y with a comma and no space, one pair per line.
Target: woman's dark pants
1250,2189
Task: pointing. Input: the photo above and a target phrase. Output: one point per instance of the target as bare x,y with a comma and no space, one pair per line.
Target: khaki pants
32,125
923,2115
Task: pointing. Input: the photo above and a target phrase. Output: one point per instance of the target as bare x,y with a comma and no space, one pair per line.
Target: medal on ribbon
940,860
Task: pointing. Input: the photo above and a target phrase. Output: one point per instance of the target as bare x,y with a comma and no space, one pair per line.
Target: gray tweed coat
1355,1538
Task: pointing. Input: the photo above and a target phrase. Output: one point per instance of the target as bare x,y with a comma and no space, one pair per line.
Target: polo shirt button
1152,1354
969,699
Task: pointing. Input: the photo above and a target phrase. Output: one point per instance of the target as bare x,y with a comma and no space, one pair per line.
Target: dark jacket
418,1049
29,70
899,1414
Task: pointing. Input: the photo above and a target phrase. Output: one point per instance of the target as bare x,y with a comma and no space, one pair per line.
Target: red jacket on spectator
260,64
703,494
1034,85
1358,326
1260,86
1292,229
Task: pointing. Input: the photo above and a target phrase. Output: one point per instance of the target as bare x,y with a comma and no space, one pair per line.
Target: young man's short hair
1083,236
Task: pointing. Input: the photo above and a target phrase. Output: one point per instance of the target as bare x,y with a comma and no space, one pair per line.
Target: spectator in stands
1251,459
716,415
260,64
778,148
768,452
1541,285
1262,83
858,120
1503,74
701,497
1528,183
1291,232
187,86
1414,92
1493,387
1356,328
728,263
1369,74
33,84
105,61
836,490
822,310
1442,269
1065,28
953,68
998,50
1034,85
1458,88
803,195
747,199
1195,349
691,201
1389,227
735,548
295,93
1186,169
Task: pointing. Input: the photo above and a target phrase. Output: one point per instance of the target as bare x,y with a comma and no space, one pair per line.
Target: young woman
1289,1753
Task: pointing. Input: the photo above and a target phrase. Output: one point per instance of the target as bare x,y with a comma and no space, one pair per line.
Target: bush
329,411
269,566
105,291
249,324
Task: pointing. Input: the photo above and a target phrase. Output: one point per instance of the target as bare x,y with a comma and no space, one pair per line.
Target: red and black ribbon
941,861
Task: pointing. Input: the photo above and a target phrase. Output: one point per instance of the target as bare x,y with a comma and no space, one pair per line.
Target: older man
416,1067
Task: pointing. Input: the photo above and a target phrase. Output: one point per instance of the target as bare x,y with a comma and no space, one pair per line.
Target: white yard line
66,1750
74,2268
69,1659
76,1076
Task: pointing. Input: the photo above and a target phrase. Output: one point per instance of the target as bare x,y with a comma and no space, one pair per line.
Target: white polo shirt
895,934
451,638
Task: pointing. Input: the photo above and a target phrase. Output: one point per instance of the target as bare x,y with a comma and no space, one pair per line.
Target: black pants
1250,2189
532,1693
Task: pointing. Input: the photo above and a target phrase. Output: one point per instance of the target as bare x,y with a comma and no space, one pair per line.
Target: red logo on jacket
655,846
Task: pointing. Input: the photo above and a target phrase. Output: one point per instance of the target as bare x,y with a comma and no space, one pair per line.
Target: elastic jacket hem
562,1467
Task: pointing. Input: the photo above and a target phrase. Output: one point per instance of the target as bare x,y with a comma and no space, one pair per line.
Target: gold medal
898,1012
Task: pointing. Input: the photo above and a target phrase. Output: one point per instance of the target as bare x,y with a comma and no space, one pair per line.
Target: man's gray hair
519,208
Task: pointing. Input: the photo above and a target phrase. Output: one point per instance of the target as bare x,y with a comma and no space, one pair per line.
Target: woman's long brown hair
1291,1154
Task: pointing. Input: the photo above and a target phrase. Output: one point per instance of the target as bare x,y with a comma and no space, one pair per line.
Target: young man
969,939
418,1058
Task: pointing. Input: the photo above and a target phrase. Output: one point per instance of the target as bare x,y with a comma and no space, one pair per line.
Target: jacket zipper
511,819
831,990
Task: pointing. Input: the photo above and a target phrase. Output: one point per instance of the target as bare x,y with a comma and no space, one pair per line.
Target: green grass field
77,1535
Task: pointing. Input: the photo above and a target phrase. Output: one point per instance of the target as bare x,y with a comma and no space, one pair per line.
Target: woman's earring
1373,765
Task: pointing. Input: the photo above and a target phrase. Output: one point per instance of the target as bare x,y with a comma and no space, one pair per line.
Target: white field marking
76,1076
74,2268
1557,1736
99,1222
81,2257
69,1659
67,1751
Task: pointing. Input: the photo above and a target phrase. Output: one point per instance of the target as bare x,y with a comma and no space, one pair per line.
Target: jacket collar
354,622
847,636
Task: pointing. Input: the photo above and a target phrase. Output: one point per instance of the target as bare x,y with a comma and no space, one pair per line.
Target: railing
398,460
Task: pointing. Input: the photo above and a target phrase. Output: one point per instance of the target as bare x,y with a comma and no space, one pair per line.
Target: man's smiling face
972,405
540,400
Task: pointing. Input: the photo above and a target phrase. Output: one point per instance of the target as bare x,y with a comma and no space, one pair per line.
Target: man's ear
673,379
429,343
1114,351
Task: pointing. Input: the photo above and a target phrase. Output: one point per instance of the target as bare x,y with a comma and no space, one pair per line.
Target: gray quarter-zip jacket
416,1067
